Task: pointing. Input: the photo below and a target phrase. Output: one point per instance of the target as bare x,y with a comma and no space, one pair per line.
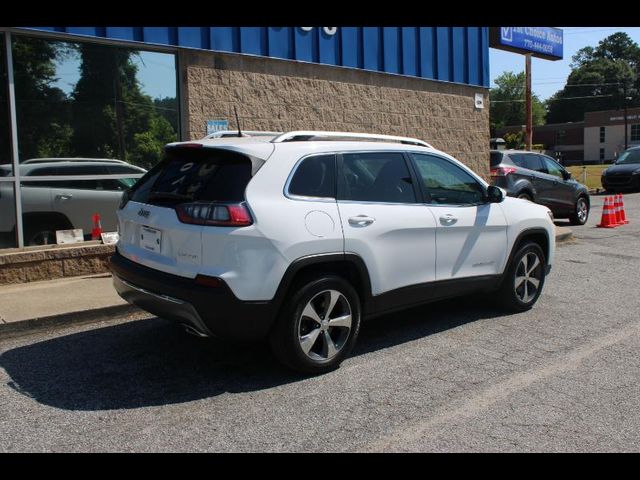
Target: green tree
600,79
112,117
508,102
168,108
42,110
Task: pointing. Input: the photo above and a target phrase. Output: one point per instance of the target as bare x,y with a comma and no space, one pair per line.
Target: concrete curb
64,319
563,234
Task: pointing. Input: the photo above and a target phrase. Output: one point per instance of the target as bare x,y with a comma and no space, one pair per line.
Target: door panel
471,236
80,199
397,242
383,220
470,240
561,195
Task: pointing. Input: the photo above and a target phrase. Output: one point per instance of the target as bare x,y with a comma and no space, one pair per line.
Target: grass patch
593,174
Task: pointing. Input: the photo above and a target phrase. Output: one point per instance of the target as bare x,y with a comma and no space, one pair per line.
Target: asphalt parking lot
452,376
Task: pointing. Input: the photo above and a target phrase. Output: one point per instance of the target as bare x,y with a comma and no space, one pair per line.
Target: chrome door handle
65,196
361,220
448,219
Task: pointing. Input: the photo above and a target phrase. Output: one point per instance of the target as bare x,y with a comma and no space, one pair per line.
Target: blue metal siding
372,46
454,54
428,53
352,52
392,50
410,51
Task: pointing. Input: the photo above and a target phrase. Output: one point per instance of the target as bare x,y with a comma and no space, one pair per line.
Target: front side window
446,183
376,177
315,177
553,168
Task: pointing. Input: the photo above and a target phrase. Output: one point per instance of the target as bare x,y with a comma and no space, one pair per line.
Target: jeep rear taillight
214,214
502,171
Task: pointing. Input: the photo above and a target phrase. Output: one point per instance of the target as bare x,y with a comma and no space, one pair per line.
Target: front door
471,236
560,195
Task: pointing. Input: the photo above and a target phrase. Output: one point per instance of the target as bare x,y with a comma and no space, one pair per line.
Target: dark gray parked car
540,179
624,174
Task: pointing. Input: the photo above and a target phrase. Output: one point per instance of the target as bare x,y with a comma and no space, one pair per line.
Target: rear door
384,221
150,230
529,167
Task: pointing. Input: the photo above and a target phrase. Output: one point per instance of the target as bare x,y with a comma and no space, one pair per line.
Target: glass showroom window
90,119
7,193
635,133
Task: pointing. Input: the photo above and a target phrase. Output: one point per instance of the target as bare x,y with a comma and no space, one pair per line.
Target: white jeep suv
297,238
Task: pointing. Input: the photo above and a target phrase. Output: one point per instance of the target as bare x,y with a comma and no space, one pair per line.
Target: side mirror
566,174
495,194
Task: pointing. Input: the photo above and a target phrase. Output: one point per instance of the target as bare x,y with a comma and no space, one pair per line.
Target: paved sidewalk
64,300
87,298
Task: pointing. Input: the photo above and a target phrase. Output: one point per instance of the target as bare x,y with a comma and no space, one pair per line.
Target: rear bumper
206,310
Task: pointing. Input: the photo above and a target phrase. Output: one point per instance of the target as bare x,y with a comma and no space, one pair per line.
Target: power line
561,98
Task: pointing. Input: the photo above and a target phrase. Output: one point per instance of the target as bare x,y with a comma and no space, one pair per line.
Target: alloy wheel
324,325
582,210
528,277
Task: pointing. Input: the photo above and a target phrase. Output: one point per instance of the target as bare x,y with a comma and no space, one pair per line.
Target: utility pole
529,127
626,144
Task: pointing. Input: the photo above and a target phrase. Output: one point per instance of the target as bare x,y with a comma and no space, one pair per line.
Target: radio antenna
237,121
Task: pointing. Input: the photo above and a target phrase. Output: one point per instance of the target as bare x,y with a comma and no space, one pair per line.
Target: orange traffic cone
97,227
608,216
617,209
623,214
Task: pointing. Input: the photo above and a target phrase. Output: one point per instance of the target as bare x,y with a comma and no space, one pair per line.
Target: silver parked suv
50,203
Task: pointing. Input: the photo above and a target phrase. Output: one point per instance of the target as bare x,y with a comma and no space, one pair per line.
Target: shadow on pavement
153,362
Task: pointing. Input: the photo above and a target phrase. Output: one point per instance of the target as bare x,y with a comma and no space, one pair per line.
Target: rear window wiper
169,196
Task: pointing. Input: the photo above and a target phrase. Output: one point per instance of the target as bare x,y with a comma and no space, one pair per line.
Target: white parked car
297,238
50,203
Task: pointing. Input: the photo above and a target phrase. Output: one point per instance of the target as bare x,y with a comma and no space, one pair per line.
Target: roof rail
307,135
245,133
74,159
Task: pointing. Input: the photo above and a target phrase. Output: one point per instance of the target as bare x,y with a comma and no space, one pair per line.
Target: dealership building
119,92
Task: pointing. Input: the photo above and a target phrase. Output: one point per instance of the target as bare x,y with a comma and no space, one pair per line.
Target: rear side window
187,175
528,161
315,177
376,177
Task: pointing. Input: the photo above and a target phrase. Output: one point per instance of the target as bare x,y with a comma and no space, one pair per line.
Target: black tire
40,235
525,196
292,326
510,295
580,213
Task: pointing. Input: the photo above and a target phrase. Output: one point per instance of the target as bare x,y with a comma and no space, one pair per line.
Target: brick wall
284,95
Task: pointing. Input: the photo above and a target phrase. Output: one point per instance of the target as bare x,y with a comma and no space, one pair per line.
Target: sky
547,77
156,73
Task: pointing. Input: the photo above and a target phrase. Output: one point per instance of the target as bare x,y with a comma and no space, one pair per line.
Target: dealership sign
541,42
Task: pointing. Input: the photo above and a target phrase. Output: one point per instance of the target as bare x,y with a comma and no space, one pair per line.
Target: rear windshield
496,158
189,175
